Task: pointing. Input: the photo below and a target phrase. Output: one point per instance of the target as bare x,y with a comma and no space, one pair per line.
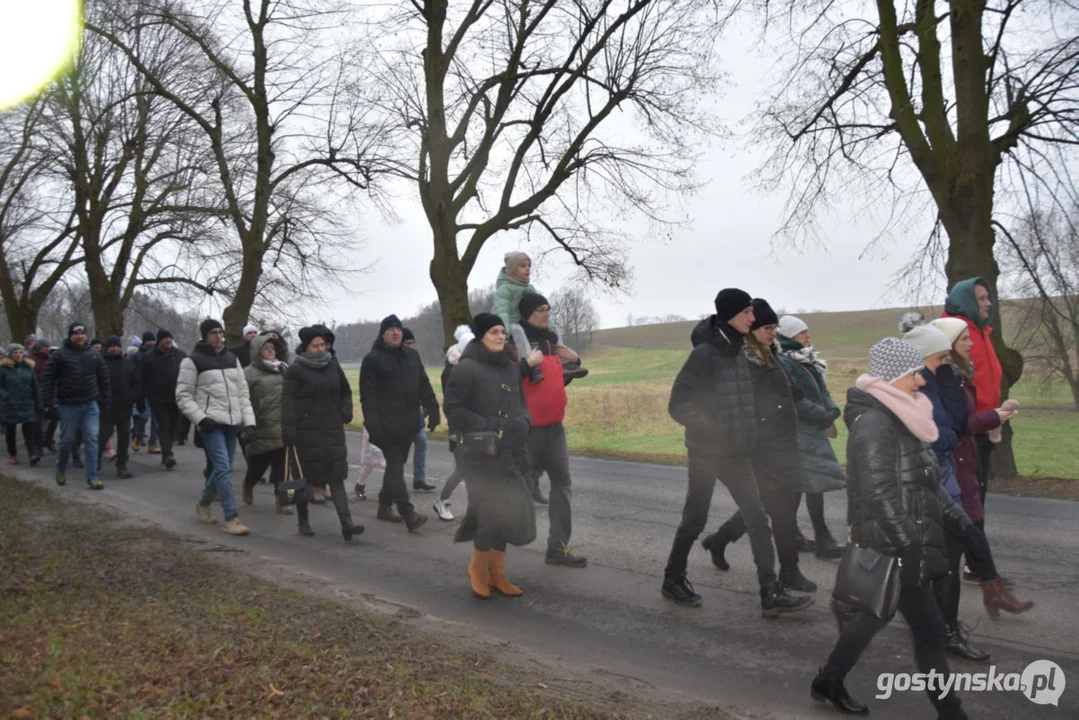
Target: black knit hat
307,334
484,322
530,303
407,334
95,341
730,302
148,336
207,325
162,333
391,321
763,314
113,341
75,326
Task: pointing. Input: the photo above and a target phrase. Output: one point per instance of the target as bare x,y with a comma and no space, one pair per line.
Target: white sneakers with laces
442,509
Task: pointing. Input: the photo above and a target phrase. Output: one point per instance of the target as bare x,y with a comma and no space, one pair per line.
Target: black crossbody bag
485,443
291,492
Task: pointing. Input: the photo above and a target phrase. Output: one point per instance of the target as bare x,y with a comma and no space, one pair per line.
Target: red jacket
547,399
988,374
966,454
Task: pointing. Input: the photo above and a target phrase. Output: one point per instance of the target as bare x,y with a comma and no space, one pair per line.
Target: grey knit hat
12,347
892,358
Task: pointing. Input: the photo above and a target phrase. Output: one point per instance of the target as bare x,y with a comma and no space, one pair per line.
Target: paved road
611,619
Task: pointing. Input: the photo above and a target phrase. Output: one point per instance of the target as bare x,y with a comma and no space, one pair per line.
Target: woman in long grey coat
484,396
817,414
266,383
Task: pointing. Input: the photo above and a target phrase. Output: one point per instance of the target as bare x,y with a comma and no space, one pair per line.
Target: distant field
620,410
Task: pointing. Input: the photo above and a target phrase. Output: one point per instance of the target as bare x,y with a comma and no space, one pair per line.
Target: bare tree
540,117
574,316
38,238
924,96
1043,258
284,116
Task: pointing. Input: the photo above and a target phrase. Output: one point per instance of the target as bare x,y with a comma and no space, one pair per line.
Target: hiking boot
414,520
680,591
828,689
361,491
775,601
442,510
804,543
249,495
794,580
123,473
573,371
135,444
956,642
204,514
716,546
94,484
423,486
169,461
386,514
565,557
235,527
61,478
154,449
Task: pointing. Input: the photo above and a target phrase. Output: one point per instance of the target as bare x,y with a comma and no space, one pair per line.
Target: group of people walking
922,422
752,396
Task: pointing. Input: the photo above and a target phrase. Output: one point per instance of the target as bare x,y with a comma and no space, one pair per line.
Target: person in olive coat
484,395
20,402
266,383
315,407
817,414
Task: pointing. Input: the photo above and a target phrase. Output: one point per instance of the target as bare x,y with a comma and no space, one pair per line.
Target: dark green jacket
266,386
816,413
20,394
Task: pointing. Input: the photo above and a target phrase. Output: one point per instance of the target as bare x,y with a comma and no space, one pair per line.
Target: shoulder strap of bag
291,449
817,384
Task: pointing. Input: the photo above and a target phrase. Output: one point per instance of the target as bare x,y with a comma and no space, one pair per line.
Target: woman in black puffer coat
484,395
315,407
897,506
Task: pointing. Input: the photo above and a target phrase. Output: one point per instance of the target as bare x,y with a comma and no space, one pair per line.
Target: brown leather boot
997,597
385,512
477,573
496,575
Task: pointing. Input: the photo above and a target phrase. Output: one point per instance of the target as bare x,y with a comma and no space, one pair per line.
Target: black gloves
247,434
910,571
433,421
206,426
833,415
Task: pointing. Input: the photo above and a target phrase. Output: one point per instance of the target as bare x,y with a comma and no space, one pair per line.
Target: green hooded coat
20,394
266,386
820,468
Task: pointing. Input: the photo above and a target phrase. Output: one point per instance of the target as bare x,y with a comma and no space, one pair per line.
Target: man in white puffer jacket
212,393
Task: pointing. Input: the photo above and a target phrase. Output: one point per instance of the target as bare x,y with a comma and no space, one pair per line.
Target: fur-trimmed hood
9,363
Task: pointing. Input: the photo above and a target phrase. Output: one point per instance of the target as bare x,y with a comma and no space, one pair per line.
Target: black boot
169,461
716,546
305,527
827,548
804,543
348,529
680,591
775,601
536,376
956,642
830,689
123,473
793,579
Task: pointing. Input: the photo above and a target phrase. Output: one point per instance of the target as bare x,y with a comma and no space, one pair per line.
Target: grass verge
102,619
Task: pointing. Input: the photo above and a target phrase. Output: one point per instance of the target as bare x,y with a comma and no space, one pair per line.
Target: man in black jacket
74,382
713,397
393,385
126,393
158,372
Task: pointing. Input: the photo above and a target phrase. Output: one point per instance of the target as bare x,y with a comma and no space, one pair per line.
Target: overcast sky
728,241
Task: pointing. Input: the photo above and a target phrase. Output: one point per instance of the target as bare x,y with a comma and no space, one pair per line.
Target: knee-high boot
301,514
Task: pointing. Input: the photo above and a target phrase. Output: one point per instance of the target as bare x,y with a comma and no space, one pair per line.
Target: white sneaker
442,509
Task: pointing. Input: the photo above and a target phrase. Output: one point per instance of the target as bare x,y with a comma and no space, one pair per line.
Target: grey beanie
892,358
12,347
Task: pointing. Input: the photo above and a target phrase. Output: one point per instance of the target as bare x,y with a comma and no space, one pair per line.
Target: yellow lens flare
39,39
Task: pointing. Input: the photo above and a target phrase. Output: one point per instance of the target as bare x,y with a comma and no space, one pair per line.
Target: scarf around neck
278,366
514,279
914,412
314,360
809,356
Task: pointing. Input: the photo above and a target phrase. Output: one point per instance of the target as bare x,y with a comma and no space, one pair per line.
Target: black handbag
293,491
485,443
868,581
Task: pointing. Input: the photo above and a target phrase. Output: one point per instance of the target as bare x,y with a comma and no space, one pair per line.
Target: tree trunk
236,314
450,278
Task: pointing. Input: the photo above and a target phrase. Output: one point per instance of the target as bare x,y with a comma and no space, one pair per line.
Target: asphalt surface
610,617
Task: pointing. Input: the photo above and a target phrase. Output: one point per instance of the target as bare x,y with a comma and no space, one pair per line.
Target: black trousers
736,473
780,507
274,460
548,452
48,430
918,606
30,432
984,452
121,424
394,489
168,424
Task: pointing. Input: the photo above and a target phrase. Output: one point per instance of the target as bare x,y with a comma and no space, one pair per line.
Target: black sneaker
775,601
123,473
361,491
795,580
565,557
680,591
